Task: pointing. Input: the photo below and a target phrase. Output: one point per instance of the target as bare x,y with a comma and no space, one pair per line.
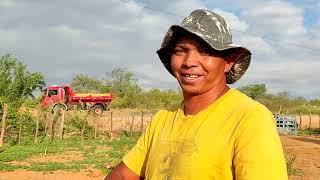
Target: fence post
96,126
131,125
20,129
111,123
3,123
82,132
37,128
309,120
51,124
62,123
319,121
141,127
47,119
300,121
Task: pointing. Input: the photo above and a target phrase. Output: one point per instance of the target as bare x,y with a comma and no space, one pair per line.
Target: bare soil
306,151
90,174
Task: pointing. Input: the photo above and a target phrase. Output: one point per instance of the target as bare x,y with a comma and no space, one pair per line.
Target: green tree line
281,102
129,94
17,85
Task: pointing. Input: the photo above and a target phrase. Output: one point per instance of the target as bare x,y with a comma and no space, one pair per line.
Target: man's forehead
192,39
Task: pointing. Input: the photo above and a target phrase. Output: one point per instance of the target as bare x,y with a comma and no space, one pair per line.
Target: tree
315,102
125,86
254,91
84,84
16,84
156,99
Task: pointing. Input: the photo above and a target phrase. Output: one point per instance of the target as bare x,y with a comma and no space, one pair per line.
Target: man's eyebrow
179,46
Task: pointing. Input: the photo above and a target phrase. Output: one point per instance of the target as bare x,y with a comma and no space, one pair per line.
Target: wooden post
131,125
47,119
51,124
62,123
111,123
319,121
20,129
37,129
309,120
96,127
3,123
82,133
300,119
141,127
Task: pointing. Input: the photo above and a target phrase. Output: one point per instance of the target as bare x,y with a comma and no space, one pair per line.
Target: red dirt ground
306,150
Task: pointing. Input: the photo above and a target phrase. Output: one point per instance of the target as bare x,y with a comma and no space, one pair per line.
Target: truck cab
53,95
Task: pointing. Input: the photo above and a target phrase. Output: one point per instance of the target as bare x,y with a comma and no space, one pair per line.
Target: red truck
54,95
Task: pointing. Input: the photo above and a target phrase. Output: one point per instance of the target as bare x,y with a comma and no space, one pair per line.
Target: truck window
52,93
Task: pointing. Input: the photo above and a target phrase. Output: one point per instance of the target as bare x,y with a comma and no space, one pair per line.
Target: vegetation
16,82
25,132
92,153
281,102
308,132
16,85
291,170
128,94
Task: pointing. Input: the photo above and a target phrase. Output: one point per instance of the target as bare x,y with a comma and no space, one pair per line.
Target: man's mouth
190,76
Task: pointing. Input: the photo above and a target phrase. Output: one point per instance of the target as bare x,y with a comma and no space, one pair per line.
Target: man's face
197,67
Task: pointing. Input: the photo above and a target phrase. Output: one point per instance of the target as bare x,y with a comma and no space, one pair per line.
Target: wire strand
243,32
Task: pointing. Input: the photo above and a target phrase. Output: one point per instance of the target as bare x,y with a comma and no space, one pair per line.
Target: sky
64,38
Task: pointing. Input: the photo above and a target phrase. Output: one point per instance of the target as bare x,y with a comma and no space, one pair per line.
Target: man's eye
204,51
178,51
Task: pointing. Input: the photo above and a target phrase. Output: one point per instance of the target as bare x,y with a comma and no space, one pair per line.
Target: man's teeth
191,76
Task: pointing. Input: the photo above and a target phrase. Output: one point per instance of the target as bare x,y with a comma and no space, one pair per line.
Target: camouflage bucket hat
212,29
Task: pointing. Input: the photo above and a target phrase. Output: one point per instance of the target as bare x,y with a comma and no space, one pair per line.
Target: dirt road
306,151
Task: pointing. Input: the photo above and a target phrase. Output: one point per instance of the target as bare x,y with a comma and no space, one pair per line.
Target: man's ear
228,65
230,60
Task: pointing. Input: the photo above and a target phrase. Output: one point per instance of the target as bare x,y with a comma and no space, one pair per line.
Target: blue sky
64,38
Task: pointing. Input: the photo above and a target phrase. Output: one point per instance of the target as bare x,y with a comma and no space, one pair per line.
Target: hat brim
242,58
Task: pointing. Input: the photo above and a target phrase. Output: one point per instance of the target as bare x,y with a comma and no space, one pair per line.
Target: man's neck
195,103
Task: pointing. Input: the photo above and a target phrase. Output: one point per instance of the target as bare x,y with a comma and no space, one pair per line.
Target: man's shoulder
166,112
246,103
163,115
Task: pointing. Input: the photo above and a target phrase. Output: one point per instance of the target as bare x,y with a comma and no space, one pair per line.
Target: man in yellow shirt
218,133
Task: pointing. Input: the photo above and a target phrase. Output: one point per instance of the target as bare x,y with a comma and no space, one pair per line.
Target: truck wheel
98,109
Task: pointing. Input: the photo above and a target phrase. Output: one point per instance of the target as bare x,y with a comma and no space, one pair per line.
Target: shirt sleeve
258,152
136,158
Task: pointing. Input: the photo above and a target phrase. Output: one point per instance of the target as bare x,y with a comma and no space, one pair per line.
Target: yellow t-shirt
233,138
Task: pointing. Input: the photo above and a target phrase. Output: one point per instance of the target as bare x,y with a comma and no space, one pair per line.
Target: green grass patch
291,170
309,132
9,167
95,153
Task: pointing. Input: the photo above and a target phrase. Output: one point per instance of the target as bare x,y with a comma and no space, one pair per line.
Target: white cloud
153,72
183,7
232,20
63,38
6,3
315,37
277,19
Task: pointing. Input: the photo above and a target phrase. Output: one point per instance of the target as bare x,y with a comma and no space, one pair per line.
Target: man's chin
187,91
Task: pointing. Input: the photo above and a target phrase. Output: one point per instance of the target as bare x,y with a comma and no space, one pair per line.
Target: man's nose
191,59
